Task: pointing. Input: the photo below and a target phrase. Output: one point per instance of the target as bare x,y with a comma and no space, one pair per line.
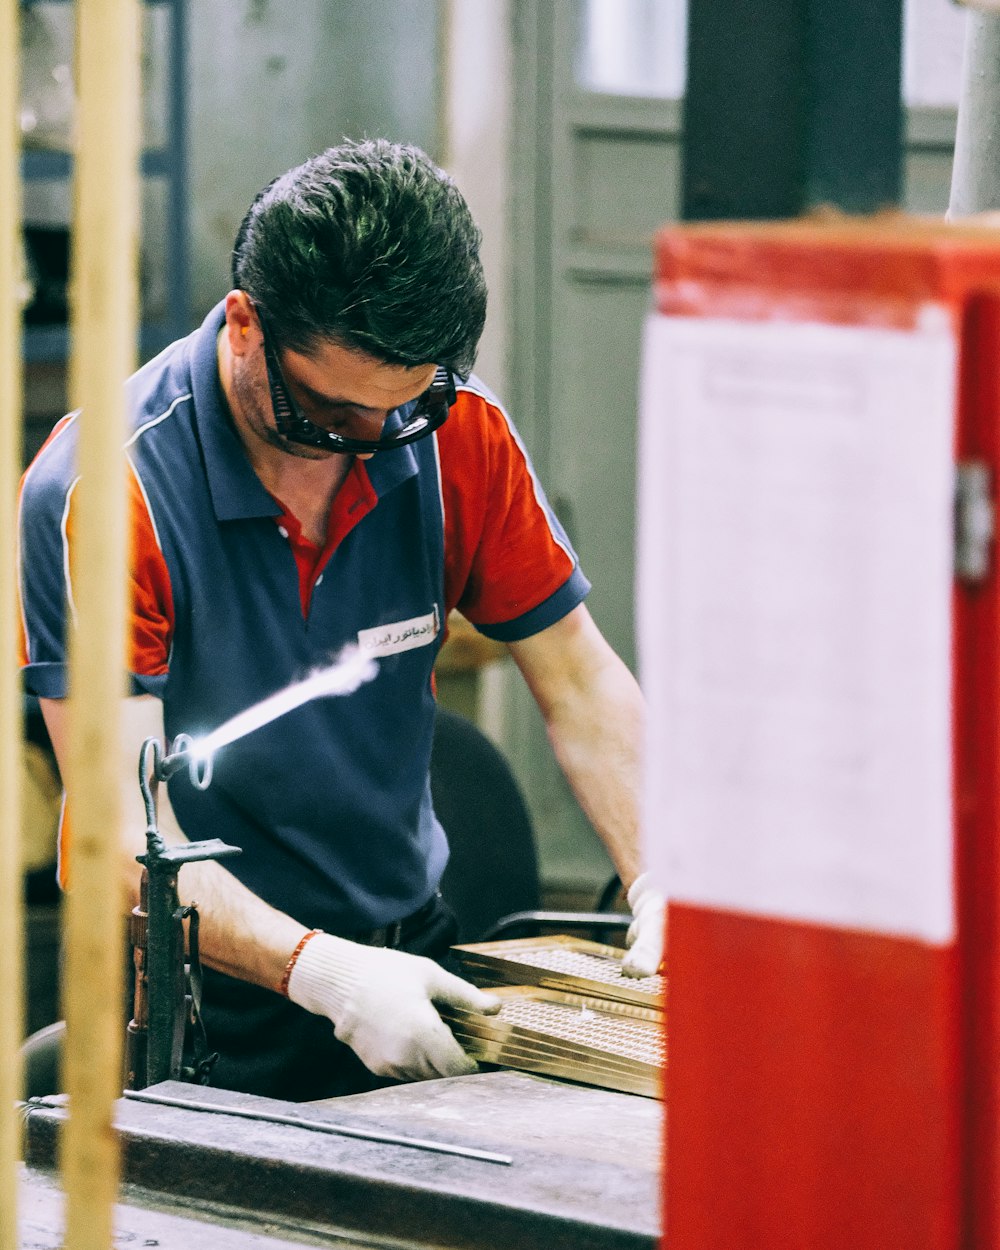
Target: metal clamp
975,520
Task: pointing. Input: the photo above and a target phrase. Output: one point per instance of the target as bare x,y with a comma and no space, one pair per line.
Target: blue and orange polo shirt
230,603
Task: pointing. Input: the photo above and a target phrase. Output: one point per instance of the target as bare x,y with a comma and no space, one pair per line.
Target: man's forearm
593,711
238,932
596,735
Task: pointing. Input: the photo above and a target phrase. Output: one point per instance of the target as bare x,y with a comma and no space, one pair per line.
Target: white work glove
647,932
381,1003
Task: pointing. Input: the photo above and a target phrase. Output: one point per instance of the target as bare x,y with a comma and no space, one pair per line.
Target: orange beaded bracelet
283,988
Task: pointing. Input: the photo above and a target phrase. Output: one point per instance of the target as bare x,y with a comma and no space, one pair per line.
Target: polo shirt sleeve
46,558
43,565
509,567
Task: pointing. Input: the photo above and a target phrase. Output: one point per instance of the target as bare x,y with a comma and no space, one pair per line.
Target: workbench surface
583,1170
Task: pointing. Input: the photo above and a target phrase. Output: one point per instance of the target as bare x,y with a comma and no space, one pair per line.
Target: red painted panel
977,797
852,270
812,1088
829,1089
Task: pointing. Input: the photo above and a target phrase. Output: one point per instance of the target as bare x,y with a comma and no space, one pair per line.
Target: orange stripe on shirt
152,620
151,599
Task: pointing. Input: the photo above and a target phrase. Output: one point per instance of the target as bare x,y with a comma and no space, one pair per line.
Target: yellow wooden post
104,317
11,928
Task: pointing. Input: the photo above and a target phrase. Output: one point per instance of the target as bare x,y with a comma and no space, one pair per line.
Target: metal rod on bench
104,302
11,926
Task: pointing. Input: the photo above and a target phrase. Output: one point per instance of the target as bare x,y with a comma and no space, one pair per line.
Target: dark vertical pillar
791,104
179,311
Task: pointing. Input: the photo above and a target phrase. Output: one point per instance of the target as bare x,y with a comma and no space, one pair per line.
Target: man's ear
242,325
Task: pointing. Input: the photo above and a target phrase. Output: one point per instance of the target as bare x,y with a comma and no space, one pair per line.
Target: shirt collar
389,469
237,492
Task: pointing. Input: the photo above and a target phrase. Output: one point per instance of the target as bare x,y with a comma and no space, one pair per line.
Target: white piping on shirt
437,461
135,472
64,531
145,499
156,420
536,485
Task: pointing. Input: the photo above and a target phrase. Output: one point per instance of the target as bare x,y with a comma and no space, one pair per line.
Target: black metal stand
167,985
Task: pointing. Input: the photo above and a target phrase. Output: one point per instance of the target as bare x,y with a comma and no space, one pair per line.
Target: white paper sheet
795,575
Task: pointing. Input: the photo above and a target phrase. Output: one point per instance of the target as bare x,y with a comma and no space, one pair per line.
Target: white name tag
418,631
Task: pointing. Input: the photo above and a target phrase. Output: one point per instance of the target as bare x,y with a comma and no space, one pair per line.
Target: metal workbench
583,1170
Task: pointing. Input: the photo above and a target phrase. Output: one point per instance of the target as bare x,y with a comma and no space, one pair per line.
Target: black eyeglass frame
429,412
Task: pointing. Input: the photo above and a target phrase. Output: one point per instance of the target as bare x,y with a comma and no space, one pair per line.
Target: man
315,467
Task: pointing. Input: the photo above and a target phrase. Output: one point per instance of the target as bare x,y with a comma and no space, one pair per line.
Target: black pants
267,1045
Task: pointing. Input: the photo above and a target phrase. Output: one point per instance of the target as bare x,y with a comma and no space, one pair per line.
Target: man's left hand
646,938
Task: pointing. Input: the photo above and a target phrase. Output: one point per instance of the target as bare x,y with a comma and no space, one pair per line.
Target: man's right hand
381,1003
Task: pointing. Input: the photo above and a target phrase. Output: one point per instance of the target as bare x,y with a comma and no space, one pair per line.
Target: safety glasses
405,425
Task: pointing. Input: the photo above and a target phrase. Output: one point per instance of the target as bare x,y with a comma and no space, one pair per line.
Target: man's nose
371,427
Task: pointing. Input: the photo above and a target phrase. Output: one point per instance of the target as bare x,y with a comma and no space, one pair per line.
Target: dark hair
371,245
